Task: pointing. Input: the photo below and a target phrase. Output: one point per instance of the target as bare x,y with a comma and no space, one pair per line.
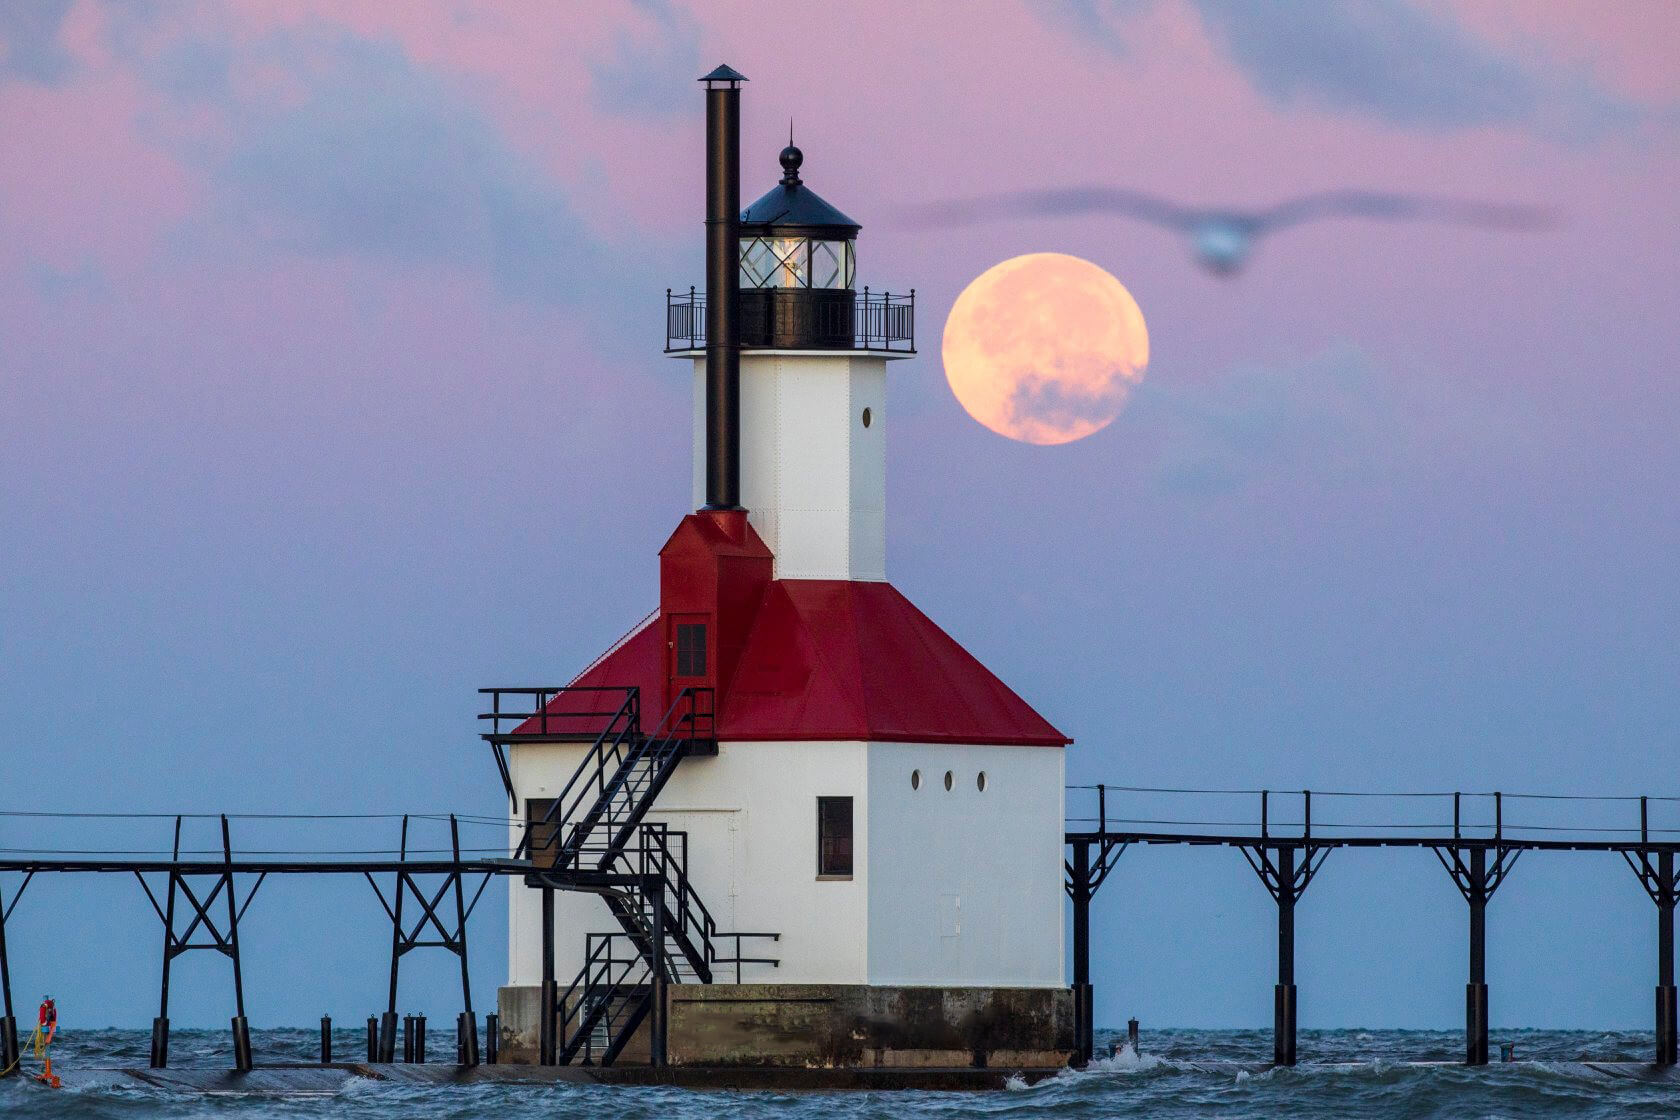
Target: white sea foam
1124,1060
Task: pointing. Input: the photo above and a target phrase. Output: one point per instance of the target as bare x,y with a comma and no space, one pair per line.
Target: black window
691,649
542,847
834,836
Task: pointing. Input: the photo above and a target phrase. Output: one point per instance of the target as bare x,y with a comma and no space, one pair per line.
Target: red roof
831,659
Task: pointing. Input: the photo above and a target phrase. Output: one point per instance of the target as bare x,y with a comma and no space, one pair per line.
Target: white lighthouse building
788,819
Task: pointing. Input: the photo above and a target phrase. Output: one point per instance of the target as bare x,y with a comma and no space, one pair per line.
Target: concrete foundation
838,1026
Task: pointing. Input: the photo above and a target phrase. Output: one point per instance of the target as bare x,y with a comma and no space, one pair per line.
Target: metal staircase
640,766
593,837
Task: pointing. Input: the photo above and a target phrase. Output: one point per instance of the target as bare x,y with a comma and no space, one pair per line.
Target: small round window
915,779
980,781
867,417
950,779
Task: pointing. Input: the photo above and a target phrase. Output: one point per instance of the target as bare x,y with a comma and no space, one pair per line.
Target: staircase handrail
625,725
588,999
686,907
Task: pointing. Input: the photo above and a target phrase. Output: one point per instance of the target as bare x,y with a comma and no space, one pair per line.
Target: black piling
326,1040
160,1043
241,1044
408,1039
1476,991
387,1037
492,1038
1132,1037
1084,1014
1666,1035
373,1039
548,1053
8,1046
466,1039
1283,993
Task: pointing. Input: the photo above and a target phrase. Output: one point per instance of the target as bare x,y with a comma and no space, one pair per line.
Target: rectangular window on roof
834,837
691,649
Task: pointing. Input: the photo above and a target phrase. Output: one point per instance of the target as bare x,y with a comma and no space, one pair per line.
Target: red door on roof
688,654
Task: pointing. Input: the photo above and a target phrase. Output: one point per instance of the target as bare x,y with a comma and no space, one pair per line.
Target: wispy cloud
350,149
29,41
84,279
1336,414
640,76
1391,60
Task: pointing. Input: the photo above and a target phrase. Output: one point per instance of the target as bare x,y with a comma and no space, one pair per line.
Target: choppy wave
1179,1073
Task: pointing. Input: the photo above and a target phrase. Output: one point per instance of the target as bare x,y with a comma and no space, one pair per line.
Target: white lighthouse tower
854,829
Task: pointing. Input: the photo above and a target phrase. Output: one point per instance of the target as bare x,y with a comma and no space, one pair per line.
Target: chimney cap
724,73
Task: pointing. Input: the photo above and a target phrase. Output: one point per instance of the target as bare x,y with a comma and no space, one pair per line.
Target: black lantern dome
798,265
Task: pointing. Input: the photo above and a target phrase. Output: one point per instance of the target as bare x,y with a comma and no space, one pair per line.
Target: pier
1477,845
429,894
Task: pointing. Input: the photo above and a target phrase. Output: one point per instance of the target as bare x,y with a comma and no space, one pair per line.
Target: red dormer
712,574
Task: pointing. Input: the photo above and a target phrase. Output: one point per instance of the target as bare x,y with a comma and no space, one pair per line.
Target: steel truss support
1477,877
1084,876
1656,875
1285,879
452,936
202,905
8,1021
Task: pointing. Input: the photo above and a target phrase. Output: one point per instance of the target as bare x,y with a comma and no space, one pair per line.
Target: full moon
1045,348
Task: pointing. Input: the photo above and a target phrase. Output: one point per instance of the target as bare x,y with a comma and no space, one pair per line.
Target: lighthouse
787,819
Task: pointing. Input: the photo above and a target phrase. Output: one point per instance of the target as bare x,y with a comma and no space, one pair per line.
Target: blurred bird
1223,239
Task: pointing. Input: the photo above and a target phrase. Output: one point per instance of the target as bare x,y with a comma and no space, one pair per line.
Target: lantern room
798,264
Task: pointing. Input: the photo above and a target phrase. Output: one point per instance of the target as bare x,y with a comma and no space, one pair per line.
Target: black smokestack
723,288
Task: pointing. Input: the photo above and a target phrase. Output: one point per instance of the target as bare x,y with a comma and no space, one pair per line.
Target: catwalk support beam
1477,869
8,1020
1655,869
1285,869
1079,889
1091,857
223,937
547,1045
429,931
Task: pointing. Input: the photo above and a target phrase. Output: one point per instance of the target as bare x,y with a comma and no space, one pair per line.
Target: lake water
1181,1073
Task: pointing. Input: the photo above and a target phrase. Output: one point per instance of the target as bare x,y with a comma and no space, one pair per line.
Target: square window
834,837
691,649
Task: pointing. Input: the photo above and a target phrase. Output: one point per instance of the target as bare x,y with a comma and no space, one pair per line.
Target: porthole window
915,779
950,780
867,417
980,781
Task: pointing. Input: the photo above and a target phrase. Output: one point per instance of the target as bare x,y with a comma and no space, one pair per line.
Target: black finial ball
791,158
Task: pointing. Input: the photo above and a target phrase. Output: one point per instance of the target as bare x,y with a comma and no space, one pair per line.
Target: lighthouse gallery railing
881,321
